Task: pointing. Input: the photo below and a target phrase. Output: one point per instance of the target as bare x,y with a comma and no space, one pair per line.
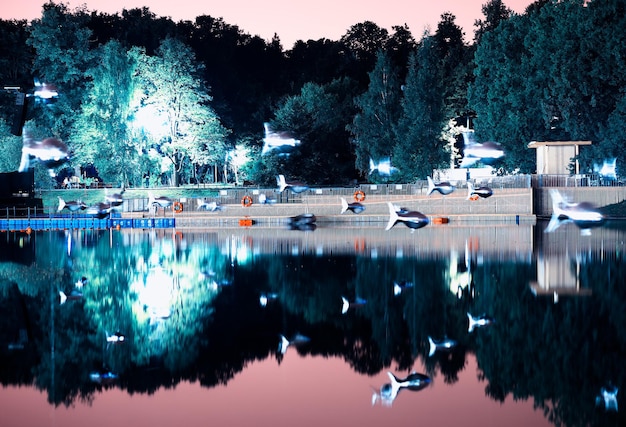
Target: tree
420,146
62,56
494,12
378,110
103,132
188,128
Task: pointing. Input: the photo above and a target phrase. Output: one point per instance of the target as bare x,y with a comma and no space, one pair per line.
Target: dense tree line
555,72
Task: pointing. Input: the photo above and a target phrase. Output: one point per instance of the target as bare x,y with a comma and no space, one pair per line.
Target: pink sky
301,391
291,20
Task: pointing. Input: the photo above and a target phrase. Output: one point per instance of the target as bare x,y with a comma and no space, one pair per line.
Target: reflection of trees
558,354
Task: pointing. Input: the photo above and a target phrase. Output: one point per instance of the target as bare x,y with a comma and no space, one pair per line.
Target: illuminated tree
103,133
184,126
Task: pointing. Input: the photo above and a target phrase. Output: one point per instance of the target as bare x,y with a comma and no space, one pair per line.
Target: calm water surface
263,326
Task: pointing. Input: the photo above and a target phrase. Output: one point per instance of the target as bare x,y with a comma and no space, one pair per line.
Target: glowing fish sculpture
443,188
383,167
354,207
45,91
281,142
72,205
583,214
296,340
608,170
389,392
411,219
474,193
473,152
161,201
293,186
51,152
213,206
346,304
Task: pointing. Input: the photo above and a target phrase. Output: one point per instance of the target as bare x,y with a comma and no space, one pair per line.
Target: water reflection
161,308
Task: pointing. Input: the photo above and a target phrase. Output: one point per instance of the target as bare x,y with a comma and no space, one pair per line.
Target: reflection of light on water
155,292
459,279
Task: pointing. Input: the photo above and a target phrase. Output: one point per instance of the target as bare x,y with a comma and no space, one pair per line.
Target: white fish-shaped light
445,344
51,152
346,304
399,287
478,321
160,201
297,339
213,206
583,214
473,152
411,219
116,338
389,392
443,188
354,207
383,167
45,91
607,170
294,186
281,142
99,210
72,205
482,192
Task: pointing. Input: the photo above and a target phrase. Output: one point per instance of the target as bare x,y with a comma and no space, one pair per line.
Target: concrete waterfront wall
598,196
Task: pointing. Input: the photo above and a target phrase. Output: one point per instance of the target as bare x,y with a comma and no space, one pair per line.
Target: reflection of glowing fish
209,206
383,167
355,207
73,296
161,201
608,398
443,188
390,391
51,152
73,206
482,191
265,298
294,186
583,214
399,287
474,152
106,377
116,338
411,219
279,141
346,304
443,345
296,340
478,321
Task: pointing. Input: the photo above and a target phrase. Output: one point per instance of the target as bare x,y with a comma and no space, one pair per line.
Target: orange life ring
178,207
246,201
359,196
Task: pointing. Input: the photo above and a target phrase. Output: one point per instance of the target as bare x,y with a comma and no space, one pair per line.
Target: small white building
554,157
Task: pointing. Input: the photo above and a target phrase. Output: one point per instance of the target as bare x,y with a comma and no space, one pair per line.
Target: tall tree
62,55
103,130
172,87
378,110
420,145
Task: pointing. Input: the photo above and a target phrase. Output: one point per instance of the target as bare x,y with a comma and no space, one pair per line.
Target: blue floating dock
83,222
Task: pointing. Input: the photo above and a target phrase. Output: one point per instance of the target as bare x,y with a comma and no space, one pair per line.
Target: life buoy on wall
246,201
178,207
359,196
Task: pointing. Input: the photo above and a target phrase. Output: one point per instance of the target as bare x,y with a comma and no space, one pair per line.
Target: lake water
267,326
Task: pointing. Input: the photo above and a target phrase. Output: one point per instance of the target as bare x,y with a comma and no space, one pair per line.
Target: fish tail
62,296
432,345
344,205
373,166
61,205
393,216
394,380
470,190
282,184
345,305
557,199
431,185
472,323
